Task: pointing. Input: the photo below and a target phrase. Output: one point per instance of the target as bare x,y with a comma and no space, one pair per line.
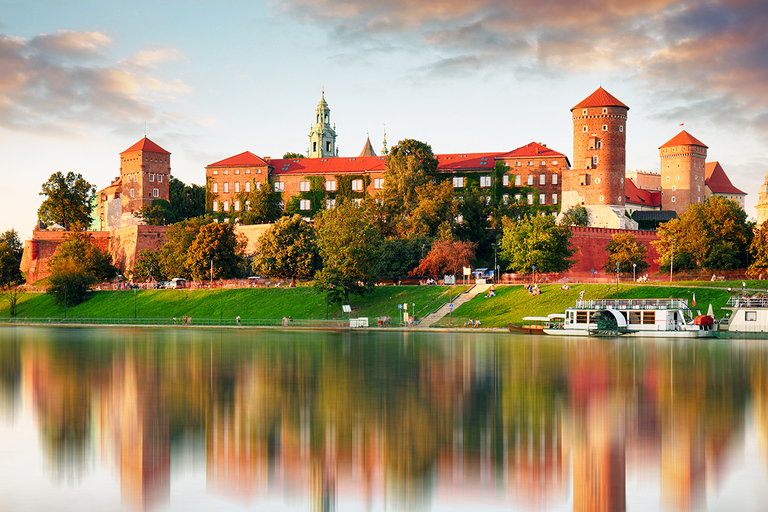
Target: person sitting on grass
469,323
477,323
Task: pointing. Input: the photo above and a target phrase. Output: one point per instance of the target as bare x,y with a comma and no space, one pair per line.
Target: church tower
599,161
683,172
322,138
762,203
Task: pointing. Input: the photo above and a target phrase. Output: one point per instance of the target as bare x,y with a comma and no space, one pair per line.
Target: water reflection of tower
597,440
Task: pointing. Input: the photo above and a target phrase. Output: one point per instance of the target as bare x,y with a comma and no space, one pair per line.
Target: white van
177,282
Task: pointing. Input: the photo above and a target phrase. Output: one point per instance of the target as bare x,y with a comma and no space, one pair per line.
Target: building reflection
395,424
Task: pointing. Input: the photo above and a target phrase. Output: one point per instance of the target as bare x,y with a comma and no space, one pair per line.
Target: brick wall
591,244
43,245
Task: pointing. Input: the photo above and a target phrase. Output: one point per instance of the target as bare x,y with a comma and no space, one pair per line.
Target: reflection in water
387,420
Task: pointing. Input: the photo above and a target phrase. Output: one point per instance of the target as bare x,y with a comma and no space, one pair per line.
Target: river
232,419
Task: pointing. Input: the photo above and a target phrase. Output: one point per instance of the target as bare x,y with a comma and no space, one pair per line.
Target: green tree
218,245
474,209
79,249
287,250
397,257
536,241
759,252
67,202
186,201
173,255
148,266
447,257
713,235
158,214
293,156
625,250
576,215
11,251
348,244
261,205
69,282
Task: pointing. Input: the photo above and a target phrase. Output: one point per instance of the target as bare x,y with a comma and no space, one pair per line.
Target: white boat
748,318
662,318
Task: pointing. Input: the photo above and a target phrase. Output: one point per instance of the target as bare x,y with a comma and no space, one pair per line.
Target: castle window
357,201
530,162
542,198
505,199
314,147
554,179
357,185
605,127
554,162
530,180
585,129
485,181
279,186
530,198
674,187
237,186
151,177
458,181
605,111
215,206
378,183
226,187
517,197
330,203
594,160
542,179
305,204
699,188
237,205
505,180
621,127
330,186
304,186
677,178
583,180
554,198
328,146
226,206
237,171
597,180
155,192
584,112
518,181
215,188
159,178
673,199
226,172
518,163
543,162
247,186
667,178
599,144
132,192
247,171
601,198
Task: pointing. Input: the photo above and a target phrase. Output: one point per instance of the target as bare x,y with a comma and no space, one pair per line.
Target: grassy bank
511,303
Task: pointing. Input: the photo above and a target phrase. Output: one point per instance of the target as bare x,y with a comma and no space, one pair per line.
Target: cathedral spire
322,137
384,149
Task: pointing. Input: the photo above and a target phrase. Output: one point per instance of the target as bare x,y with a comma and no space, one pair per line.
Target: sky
81,81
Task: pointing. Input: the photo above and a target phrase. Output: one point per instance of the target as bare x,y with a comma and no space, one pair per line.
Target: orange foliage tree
446,258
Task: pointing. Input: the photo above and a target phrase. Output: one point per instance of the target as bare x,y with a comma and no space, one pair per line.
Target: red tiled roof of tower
683,139
146,145
636,195
600,98
533,149
717,181
244,158
330,165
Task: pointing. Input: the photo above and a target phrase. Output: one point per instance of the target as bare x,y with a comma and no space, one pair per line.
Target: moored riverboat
748,317
660,318
537,324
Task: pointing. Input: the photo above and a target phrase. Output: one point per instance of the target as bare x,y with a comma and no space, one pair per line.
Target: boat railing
744,301
633,304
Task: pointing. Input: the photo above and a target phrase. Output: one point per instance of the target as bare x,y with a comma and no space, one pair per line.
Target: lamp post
422,250
134,303
495,266
617,280
221,302
634,270
211,273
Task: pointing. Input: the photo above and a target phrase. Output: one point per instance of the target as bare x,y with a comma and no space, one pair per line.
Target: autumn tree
216,246
759,252
11,251
576,215
447,257
348,244
536,241
67,202
172,258
261,205
287,250
76,265
713,235
434,212
625,250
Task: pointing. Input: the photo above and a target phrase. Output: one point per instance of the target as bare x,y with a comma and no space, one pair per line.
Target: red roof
683,139
717,180
466,161
244,158
600,98
534,149
146,145
639,196
330,165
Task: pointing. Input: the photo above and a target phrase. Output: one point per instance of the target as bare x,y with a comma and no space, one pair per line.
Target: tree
293,156
218,245
288,249
474,208
348,244
759,252
68,201
11,251
536,241
625,250
713,235
173,255
447,257
79,249
148,266
69,282
398,257
186,201
576,215
157,214
435,211
261,204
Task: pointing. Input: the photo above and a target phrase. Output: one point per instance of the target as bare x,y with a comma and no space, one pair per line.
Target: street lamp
422,250
634,269
495,266
617,280
134,303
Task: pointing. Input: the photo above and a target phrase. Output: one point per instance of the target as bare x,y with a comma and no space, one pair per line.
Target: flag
694,299
682,124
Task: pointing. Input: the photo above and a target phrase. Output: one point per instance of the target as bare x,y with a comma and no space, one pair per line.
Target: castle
534,174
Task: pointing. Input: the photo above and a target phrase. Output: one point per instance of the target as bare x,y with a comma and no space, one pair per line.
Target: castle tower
322,138
145,172
596,180
762,203
683,160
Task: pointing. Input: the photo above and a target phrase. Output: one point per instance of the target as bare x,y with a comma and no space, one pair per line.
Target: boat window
581,317
634,317
649,317
750,316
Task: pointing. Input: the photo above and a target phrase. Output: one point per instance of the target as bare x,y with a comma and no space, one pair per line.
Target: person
238,319
285,321
477,323
469,323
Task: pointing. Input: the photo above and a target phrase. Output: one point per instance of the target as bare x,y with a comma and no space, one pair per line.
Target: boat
537,324
748,317
661,318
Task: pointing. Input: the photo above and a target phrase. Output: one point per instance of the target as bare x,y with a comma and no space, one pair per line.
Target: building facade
682,172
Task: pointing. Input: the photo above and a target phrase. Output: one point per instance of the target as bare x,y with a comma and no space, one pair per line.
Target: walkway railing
180,322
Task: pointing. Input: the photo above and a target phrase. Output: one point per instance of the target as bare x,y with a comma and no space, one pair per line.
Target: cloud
65,81
712,50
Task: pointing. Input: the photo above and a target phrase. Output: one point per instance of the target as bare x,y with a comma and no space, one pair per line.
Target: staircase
457,301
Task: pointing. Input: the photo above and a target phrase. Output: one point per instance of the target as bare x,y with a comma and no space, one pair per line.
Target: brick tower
683,159
145,171
596,180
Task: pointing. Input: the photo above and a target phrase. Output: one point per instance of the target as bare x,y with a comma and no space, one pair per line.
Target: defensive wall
591,254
